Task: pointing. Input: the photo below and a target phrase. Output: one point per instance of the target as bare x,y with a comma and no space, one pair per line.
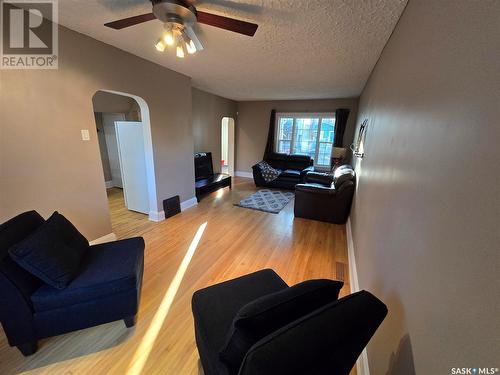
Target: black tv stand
206,180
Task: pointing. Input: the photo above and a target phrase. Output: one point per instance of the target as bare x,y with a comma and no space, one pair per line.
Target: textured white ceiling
303,49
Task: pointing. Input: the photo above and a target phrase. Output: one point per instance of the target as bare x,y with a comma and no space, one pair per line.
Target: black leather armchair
326,197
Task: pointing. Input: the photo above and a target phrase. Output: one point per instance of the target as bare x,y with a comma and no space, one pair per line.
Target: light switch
85,135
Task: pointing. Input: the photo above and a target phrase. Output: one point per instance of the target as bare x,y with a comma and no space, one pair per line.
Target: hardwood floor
126,223
235,241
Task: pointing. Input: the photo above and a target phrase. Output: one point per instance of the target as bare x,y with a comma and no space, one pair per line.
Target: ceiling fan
178,17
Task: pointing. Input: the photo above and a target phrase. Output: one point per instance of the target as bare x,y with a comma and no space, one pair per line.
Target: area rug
272,201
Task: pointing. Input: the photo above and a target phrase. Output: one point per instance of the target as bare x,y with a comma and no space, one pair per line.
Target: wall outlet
85,135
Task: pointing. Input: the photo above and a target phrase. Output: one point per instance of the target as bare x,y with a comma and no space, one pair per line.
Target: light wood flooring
236,241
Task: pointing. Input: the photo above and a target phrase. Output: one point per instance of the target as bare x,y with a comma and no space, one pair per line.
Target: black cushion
266,314
343,174
215,307
107,269
326,341
291,173
324,179
277,160
299,162
53,252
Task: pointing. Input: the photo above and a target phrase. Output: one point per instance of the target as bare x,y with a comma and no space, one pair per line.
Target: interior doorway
124,137
108,146
227,145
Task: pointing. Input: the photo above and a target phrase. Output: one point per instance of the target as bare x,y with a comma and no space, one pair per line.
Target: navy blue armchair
107,288
257,324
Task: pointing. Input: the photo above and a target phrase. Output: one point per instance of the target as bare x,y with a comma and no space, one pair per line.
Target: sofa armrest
257,175
16,311
314,189
304,172
319,178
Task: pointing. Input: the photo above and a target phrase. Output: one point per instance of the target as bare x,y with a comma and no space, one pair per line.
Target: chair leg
28,348
130,321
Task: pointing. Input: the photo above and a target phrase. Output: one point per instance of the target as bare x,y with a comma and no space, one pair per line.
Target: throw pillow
266,314
72,237
53,252
268,173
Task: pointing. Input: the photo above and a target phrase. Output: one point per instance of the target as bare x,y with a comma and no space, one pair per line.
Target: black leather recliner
293,170
326,197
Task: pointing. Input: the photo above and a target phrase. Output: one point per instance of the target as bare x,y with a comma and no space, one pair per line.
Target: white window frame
304,115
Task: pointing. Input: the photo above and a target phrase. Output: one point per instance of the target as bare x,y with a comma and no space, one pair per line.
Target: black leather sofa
293,170
326,197
258,325
107,288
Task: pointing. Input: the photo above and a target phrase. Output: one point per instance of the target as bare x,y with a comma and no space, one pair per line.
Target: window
306,134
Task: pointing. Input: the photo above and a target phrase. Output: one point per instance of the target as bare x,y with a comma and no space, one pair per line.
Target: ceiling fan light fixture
180,51
191,48
168,36
160,45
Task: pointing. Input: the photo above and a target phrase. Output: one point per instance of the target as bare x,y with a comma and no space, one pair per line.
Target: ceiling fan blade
237,26
192,35
231,4
131,21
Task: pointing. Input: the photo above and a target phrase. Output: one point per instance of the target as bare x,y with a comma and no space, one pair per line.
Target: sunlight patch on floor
142,353
220,193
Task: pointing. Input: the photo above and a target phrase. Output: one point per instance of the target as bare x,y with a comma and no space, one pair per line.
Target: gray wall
208,111
109,102
253,124
44,163
426,213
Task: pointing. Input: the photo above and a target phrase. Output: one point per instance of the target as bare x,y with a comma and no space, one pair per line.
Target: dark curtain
270,136
341,116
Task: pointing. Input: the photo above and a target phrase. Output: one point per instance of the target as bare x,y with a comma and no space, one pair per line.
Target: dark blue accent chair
326,340
107,288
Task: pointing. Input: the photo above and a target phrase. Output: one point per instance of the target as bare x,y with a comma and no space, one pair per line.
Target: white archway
148,153
227,145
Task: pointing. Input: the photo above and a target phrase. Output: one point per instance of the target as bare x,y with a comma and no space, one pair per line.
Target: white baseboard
189,203
109,184
156,216
107,238
244,174
362,362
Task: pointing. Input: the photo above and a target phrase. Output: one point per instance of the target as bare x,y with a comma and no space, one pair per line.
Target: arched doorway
131,134
227,145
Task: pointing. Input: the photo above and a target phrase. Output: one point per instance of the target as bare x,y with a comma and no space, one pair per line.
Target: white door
108,122
130,140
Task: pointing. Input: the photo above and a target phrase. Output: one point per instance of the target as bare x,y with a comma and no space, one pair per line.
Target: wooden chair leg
28,348
130,321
